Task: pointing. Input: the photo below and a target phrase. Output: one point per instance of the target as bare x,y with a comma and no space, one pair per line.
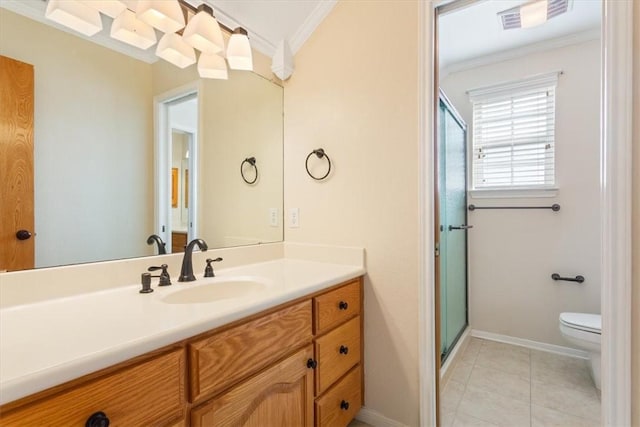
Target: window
514,135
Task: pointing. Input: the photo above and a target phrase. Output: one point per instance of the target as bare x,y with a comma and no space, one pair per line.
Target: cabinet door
281,395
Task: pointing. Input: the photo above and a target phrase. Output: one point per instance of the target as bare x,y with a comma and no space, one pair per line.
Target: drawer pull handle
344,405
343,305
344,349
312,364
99,419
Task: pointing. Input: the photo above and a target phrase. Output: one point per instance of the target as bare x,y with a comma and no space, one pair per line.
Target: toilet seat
582,321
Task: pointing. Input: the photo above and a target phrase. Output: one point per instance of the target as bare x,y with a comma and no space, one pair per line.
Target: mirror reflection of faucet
154,238
208,270
186,272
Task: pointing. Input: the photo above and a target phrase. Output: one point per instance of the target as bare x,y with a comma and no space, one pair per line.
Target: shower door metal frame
442,98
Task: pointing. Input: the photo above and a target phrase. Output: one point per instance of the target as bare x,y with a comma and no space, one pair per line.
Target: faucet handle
165,279
145,279
208,270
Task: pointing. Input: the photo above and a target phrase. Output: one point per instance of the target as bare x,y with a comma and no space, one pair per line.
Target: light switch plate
273,217
294,218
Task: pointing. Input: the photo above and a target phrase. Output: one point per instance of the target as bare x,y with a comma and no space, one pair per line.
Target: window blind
514,135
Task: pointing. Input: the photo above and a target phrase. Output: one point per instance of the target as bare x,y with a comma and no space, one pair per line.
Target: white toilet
583,330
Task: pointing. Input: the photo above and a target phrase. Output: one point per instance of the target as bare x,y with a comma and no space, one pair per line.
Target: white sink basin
217,290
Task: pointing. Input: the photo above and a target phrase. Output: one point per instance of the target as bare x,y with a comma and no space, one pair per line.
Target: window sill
514,193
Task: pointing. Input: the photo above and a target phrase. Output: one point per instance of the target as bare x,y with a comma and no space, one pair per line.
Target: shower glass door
453,225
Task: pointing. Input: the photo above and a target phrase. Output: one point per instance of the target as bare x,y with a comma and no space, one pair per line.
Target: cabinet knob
344,349
99,419
344,405
343,305
312,364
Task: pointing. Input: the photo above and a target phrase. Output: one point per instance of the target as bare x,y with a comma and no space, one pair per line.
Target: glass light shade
75,15
203,32
173,49
532,14
165,15
129,29
239,51
212,66
111,8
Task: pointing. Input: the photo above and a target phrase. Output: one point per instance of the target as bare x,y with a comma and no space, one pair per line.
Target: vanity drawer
336,353
342,402
336,306
149,394
220,360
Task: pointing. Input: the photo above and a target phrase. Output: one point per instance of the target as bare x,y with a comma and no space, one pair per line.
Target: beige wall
355,94
512,254
91,176
635,331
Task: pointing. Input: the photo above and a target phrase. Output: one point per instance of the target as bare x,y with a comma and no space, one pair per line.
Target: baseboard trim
461,344
534,345
376,419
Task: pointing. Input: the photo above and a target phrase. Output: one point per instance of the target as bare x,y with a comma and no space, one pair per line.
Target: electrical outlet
294,218
273,217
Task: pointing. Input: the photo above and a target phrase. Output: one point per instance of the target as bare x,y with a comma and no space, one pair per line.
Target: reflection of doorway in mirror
176,147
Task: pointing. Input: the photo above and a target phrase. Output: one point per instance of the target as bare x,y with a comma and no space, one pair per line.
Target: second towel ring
319,154
252,162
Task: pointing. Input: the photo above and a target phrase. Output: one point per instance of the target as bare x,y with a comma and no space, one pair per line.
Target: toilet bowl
583,330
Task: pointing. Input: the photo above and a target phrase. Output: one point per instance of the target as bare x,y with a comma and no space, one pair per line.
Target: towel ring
320,154
252,162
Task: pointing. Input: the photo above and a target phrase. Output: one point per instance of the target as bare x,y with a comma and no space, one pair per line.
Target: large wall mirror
97,176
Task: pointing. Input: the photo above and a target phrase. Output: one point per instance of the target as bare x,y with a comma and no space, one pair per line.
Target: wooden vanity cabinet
150,393
299,364
338,350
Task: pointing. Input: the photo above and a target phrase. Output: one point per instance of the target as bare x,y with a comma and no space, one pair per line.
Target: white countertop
47,343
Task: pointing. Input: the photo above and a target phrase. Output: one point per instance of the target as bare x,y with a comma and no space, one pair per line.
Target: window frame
502,90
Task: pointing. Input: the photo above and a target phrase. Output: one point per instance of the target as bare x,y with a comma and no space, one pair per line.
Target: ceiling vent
511,18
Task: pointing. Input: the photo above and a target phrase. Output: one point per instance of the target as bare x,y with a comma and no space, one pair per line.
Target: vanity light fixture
129,29
111,8
165,15
212,66
203,31
239,51
533,13
173,49
135,23
74,14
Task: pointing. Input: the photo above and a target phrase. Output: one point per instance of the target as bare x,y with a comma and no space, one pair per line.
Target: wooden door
16,164
281,395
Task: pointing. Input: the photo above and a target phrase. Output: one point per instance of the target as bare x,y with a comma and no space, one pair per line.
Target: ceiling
474,32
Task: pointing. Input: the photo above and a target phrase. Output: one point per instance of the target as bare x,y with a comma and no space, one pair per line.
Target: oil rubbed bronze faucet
186,273
154,238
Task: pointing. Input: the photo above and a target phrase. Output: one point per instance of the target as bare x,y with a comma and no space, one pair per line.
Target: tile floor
496,384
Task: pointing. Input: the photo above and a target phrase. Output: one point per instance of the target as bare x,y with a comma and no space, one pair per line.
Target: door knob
23,234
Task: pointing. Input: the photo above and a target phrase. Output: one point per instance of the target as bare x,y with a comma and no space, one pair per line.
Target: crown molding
576,38
35,9
322,9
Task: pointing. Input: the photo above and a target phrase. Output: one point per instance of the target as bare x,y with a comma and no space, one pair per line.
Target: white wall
91,176
355,94
514,253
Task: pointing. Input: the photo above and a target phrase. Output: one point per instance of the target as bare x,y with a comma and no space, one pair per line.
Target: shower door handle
460,227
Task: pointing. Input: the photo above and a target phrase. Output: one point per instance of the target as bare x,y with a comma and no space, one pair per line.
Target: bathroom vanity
292,354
